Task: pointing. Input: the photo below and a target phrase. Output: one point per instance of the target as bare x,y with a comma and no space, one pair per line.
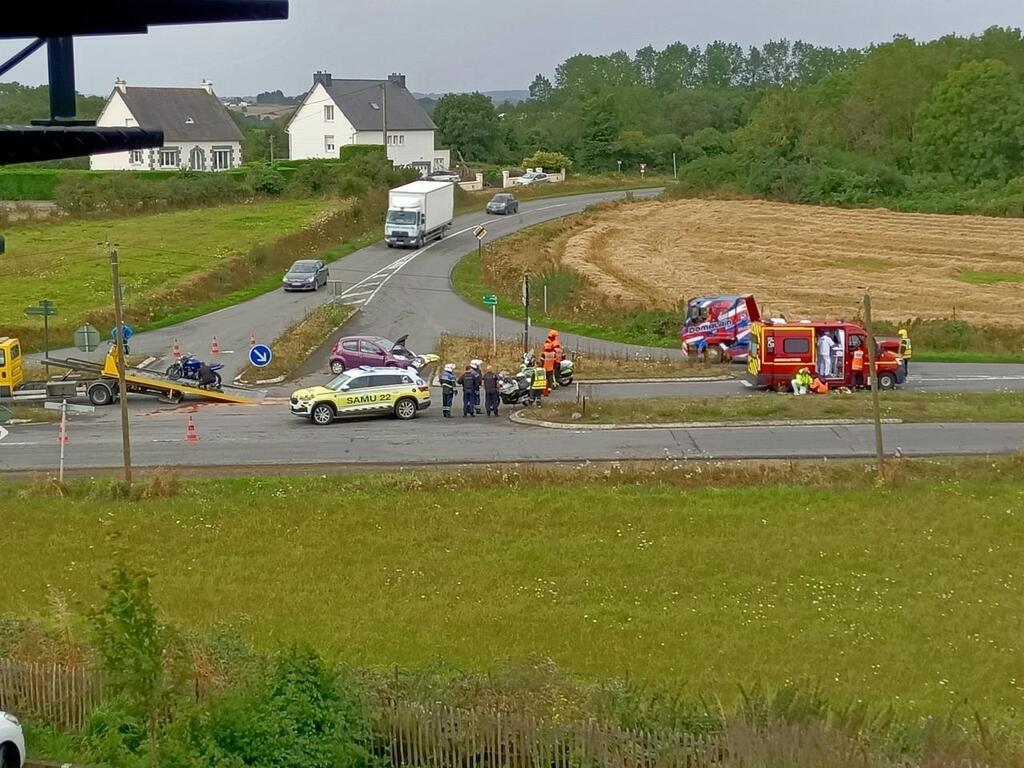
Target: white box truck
418,213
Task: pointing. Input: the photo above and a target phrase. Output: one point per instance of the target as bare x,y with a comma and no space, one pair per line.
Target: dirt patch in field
804,261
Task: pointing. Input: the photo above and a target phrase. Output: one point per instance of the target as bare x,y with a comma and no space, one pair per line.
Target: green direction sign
490,300
87,338
46,308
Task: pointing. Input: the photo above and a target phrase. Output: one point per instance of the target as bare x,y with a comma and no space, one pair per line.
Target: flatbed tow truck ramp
100,383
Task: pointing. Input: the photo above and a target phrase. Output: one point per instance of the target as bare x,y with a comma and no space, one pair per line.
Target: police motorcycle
518,389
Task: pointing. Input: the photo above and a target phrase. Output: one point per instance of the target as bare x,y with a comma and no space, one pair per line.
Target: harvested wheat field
805,261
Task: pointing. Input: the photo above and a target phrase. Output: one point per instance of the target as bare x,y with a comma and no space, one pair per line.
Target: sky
465,45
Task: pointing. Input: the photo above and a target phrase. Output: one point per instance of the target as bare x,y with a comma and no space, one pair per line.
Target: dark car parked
503,203
305,275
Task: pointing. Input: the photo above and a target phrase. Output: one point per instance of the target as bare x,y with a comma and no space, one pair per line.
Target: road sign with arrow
260,355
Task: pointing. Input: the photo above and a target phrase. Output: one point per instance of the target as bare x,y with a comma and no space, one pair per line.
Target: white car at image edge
12,742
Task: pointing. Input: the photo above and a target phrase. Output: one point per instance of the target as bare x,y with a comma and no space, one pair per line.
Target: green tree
540,88
972,125
469,125
600,132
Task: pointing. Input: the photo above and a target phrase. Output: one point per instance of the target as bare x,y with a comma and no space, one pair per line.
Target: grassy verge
461,349
34,412
468,280
908,406
780,572
293,347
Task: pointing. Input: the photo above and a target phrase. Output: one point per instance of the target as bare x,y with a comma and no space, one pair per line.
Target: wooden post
122,386
873,369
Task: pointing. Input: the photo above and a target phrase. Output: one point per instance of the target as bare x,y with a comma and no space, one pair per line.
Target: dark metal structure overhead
55,23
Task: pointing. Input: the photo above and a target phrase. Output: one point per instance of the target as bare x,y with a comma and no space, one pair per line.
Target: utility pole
873,370
384,114
122,387
526,313
271,147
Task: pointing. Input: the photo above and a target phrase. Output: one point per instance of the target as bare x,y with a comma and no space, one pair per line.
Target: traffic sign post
45,310
260,355
480,233
490,300
87,338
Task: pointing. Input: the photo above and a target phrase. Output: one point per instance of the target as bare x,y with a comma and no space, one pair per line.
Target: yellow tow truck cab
12,369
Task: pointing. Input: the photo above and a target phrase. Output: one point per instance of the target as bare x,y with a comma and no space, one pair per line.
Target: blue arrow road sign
128,332
260,355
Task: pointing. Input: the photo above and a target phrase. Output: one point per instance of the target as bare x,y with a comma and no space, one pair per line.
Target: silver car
305,275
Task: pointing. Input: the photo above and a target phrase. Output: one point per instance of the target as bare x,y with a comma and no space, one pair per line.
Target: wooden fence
49,693
407,734
445,737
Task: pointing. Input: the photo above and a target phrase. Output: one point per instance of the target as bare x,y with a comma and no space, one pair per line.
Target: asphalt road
268,435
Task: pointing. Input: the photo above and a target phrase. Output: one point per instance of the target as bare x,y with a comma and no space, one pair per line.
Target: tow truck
99,382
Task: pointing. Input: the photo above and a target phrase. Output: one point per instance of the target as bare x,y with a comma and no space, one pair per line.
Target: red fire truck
779,349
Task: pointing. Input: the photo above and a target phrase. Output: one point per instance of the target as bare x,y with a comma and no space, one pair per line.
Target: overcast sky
458,45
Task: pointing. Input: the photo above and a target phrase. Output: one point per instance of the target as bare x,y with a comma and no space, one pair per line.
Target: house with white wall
199,134
337,112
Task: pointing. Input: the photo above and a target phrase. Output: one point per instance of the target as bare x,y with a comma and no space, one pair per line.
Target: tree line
790,120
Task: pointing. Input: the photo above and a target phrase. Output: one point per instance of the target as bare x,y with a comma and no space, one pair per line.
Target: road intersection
410,293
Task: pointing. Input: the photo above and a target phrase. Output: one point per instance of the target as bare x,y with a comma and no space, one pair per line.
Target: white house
339,112
199,134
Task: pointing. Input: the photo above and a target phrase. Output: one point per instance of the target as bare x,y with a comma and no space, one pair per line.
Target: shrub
263,179
549,161
113,736
355,151
710,174
297,713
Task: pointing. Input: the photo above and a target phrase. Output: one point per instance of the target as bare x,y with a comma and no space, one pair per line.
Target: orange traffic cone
214,347
252,339
176,350
62,435
191,435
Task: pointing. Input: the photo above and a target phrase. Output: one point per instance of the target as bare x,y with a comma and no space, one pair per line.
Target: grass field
917,265
694,574
67,263
908,406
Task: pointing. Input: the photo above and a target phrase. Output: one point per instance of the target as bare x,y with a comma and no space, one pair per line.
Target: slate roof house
337,112
199,134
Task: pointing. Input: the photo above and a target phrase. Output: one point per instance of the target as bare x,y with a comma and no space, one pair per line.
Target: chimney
397,79
121,85
207,86
324,78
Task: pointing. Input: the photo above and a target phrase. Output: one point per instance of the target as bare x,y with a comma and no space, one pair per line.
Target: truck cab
12,367
718,327
778,350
